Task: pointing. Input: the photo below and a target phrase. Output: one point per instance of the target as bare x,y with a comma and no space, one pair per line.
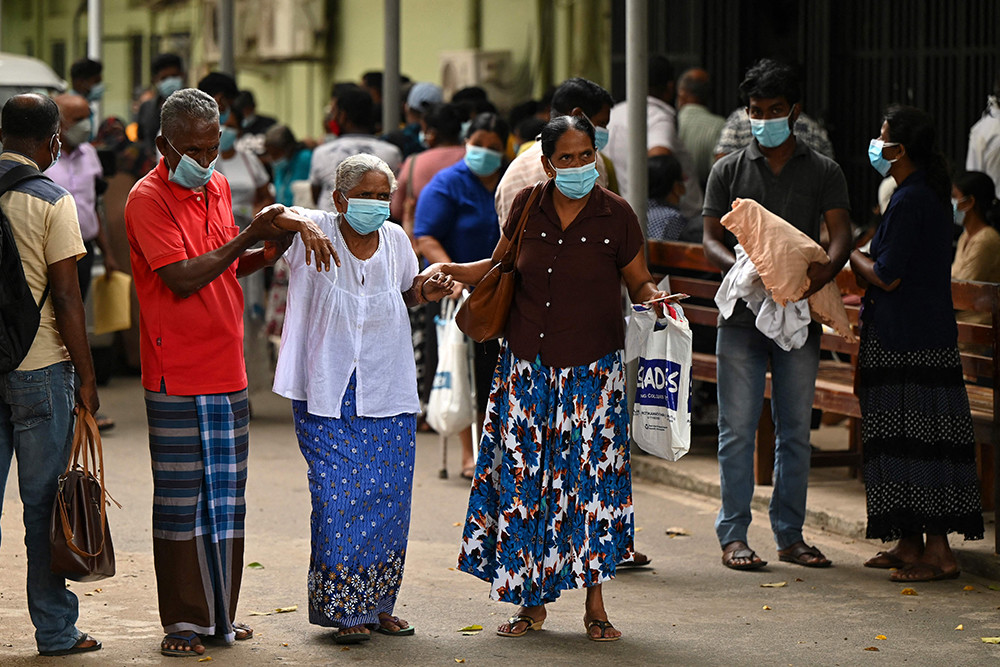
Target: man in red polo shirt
187,253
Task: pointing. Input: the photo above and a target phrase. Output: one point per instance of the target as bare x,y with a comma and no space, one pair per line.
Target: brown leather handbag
78,532
484,314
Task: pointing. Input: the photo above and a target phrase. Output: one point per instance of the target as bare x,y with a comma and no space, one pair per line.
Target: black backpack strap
15,175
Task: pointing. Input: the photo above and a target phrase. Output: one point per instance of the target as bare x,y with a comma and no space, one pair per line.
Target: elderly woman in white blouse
347,364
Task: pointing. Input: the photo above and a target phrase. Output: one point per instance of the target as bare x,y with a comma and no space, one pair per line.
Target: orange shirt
193,345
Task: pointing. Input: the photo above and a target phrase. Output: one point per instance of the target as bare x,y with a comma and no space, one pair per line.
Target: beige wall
297,91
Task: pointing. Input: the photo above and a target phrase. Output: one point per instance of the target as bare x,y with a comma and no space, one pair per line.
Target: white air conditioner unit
470,67
289,29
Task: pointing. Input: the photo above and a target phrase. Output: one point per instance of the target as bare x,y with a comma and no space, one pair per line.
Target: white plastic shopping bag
661,417
449,408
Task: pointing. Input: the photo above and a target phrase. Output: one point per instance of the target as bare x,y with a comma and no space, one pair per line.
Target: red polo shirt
193,345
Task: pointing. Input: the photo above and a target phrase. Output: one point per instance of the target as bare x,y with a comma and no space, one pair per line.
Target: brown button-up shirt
567,299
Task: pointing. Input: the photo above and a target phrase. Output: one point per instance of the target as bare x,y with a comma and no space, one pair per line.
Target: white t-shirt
349,319
661,130
984,144
245,174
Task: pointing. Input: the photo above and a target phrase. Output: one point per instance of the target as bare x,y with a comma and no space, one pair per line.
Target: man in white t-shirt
984,140
354,113
661,135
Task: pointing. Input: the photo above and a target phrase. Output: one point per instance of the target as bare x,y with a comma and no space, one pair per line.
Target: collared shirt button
560,241
543,235
548,303
583,239
550,270
607,240
541,335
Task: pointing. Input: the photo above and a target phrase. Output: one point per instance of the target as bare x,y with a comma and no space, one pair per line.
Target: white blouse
349,319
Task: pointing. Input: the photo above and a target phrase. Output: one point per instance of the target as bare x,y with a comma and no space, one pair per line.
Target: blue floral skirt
360,478
551,502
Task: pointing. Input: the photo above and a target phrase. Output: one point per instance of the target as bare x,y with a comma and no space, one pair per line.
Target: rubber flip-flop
75,648
352,638
402,632
245,629
634,563
802,554
936,573
884,560
191,639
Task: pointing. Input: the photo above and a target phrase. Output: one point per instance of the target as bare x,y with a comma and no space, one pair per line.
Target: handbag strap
519,230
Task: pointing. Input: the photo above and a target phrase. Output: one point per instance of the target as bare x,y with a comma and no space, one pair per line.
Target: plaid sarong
198,447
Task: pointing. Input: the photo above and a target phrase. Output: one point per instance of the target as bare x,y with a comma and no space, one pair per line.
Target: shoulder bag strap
519,231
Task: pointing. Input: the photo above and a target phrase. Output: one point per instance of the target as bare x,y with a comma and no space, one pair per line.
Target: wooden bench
835,379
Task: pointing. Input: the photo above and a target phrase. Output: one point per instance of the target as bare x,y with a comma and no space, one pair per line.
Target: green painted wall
574,40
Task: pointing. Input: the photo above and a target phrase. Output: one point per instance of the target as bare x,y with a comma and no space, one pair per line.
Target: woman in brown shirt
551,502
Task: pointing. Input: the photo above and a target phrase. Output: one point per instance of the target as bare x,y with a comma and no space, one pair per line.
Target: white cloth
787,326
525,170
245,174
984,144
661,130
349,319
326,159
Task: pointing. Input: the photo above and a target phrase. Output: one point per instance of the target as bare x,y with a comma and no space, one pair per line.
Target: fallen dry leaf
207,658
882,637
960,627
993,587
766,608
639,529
471,628
800,580
255,566
677,532
991,640
345,648
451,569
285,610
284,643
870,648
98,590
778,584
459,660
457,524
259,613
969,588
908,591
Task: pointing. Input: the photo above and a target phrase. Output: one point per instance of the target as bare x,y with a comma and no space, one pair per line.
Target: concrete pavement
684,610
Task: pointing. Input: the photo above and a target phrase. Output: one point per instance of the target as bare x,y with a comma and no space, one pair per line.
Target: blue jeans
36,424
743,354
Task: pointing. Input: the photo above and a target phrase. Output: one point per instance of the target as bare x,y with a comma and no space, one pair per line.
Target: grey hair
352,170
186,105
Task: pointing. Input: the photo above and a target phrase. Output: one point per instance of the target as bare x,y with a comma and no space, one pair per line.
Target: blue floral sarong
551,501
360,478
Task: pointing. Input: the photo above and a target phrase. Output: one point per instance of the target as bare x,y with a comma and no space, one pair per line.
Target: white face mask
78,133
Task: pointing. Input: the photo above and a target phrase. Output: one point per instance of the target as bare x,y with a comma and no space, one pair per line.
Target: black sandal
740,551
604,626
802,554
76,647
190,639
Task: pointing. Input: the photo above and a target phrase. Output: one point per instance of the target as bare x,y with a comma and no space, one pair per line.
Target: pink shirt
423,165
78,171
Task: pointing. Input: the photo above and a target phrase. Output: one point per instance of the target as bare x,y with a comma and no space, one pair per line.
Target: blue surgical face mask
482,161
576,182
96,92
601,135
422,138
465,127
169,86
366,215
772,132
189,174
58,151
959,215
880,164
223,117
227,139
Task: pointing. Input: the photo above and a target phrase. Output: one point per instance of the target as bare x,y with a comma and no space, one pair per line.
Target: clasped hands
277,225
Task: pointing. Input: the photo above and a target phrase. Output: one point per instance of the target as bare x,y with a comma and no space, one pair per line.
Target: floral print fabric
551,502
360,478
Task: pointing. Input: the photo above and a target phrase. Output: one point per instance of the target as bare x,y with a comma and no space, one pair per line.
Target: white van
23,74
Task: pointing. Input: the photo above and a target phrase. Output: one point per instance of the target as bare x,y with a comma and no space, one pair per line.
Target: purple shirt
78,171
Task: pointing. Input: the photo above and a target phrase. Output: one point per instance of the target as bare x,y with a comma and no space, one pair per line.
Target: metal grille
857,57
